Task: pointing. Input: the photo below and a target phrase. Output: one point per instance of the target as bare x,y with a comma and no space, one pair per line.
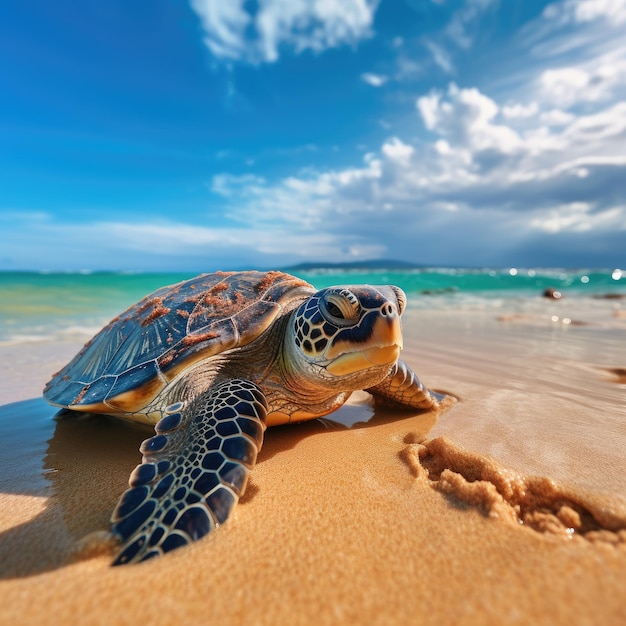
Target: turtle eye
340,307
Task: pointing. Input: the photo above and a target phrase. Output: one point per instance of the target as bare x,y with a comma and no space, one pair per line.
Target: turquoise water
36,306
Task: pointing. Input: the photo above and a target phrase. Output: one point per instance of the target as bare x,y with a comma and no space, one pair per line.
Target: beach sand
507,507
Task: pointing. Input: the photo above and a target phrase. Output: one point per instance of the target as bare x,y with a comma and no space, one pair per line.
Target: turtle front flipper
193,471
403,388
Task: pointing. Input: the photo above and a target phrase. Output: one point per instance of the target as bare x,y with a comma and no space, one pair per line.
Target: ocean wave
68,334
73,306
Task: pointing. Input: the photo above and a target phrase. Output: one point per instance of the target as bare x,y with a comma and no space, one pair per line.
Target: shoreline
344,525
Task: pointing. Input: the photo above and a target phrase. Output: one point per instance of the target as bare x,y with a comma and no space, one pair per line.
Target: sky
197,135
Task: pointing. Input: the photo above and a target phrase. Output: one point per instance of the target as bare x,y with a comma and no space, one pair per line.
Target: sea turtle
212,361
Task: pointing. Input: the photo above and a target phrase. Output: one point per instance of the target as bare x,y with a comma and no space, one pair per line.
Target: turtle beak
383,347
388,330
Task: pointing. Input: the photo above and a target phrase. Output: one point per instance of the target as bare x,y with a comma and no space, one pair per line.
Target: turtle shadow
361,412
61,476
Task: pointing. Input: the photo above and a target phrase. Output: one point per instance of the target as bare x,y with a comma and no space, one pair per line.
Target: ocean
40,306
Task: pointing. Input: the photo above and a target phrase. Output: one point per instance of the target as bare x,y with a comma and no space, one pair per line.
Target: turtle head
349,335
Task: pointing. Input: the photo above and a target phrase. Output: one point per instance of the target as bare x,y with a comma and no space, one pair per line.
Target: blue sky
204,134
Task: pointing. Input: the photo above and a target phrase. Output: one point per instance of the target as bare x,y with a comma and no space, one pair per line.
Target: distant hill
374,264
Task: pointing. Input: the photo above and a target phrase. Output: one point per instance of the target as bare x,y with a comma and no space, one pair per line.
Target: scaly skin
403,388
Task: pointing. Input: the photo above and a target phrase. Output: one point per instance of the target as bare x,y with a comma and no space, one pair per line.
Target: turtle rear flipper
193,471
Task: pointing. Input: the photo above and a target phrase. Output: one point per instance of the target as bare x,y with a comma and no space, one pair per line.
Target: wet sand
508,507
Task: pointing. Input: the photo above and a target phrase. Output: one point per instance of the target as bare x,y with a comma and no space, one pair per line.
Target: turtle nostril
387,310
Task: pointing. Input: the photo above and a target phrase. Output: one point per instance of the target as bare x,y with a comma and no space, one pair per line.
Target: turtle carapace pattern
211,362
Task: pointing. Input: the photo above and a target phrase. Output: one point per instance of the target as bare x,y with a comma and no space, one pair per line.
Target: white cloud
407,68
486,184
563,85
223,184
581,11
468,123
233,33
174,238
398,151
581,31
556,117
604,130
441,56
375,80
429,108
170,245
490,180
224,24
15,215
457,28
499,171
567,86
613,10
578,217
467,117
520,110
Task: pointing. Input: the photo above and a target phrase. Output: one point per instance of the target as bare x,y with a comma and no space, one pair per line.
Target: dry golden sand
405,519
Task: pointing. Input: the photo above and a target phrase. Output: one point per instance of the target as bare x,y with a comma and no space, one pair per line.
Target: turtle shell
139,352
